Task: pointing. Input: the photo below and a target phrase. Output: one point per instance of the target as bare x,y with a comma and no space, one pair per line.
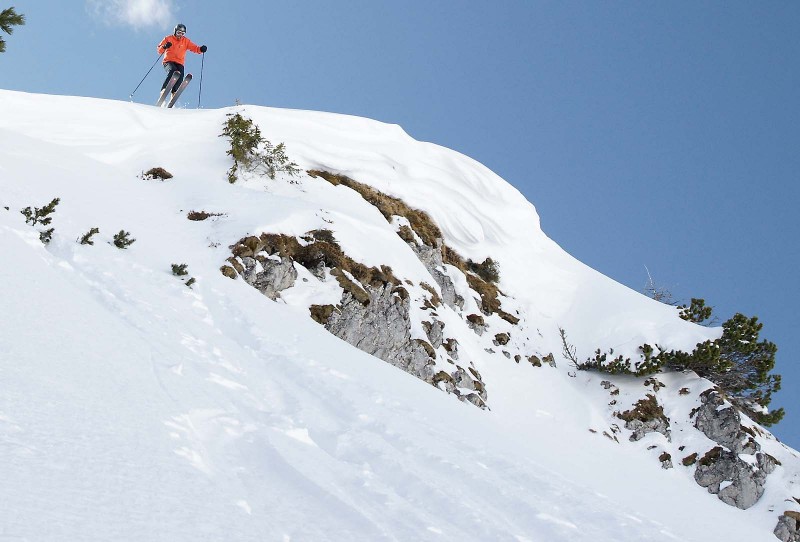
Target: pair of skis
177,94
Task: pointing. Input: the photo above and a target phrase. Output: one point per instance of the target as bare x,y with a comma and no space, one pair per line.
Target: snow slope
135,408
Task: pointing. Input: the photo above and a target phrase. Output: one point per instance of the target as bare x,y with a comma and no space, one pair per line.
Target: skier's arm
193,47
165,43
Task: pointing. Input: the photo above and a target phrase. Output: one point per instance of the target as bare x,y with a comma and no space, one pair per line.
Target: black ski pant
170,68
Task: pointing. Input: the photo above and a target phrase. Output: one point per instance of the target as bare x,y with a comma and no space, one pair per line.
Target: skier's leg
170,68
179,69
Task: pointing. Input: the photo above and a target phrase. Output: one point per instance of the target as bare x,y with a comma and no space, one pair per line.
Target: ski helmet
179,27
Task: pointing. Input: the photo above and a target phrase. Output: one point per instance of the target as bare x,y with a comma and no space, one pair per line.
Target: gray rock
274,277
642,427
788,527
431,258
476,400
744,483
476,323
435,332
646,416
723,425
382,328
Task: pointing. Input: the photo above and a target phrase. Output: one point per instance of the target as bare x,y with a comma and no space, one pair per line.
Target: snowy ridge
136,408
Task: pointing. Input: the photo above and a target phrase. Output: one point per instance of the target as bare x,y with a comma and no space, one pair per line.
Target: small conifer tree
251,152
179,270
8,20
46,236
35,215
87,237
696,312
123,239
41,216
738,362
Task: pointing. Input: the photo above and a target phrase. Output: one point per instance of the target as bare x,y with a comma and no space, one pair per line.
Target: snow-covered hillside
133,407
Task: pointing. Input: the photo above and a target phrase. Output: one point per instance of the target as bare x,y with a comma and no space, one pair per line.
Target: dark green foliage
696,312
179,270
46,236
251,152
487,270
8,20
123,239
741,365
87,237
738,362
605,363
40,216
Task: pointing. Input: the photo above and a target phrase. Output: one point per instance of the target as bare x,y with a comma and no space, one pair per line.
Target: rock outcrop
788,528
723,424
374,313
647,416
382,327
735,481
269,276
722,470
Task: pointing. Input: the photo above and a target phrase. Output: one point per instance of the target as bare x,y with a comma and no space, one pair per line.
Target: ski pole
145,76
200,93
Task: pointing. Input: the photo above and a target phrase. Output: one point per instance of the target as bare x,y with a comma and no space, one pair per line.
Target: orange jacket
177,52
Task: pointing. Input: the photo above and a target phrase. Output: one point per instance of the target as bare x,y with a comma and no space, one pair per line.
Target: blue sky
657,134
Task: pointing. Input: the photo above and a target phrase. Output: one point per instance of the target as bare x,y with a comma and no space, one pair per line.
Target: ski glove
203,48
167,45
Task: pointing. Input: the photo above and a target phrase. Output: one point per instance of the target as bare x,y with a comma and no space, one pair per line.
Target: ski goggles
180,32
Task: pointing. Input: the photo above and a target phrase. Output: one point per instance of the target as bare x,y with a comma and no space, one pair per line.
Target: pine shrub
738,363
123,239
8,20
46,236
40,216
87,237
696,311
251,152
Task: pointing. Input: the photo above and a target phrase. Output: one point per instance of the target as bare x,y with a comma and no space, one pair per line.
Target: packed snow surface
135,408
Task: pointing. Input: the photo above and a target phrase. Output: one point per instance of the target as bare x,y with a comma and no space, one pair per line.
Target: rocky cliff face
419,326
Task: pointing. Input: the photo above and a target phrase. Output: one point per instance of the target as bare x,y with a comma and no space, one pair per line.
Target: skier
174,48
